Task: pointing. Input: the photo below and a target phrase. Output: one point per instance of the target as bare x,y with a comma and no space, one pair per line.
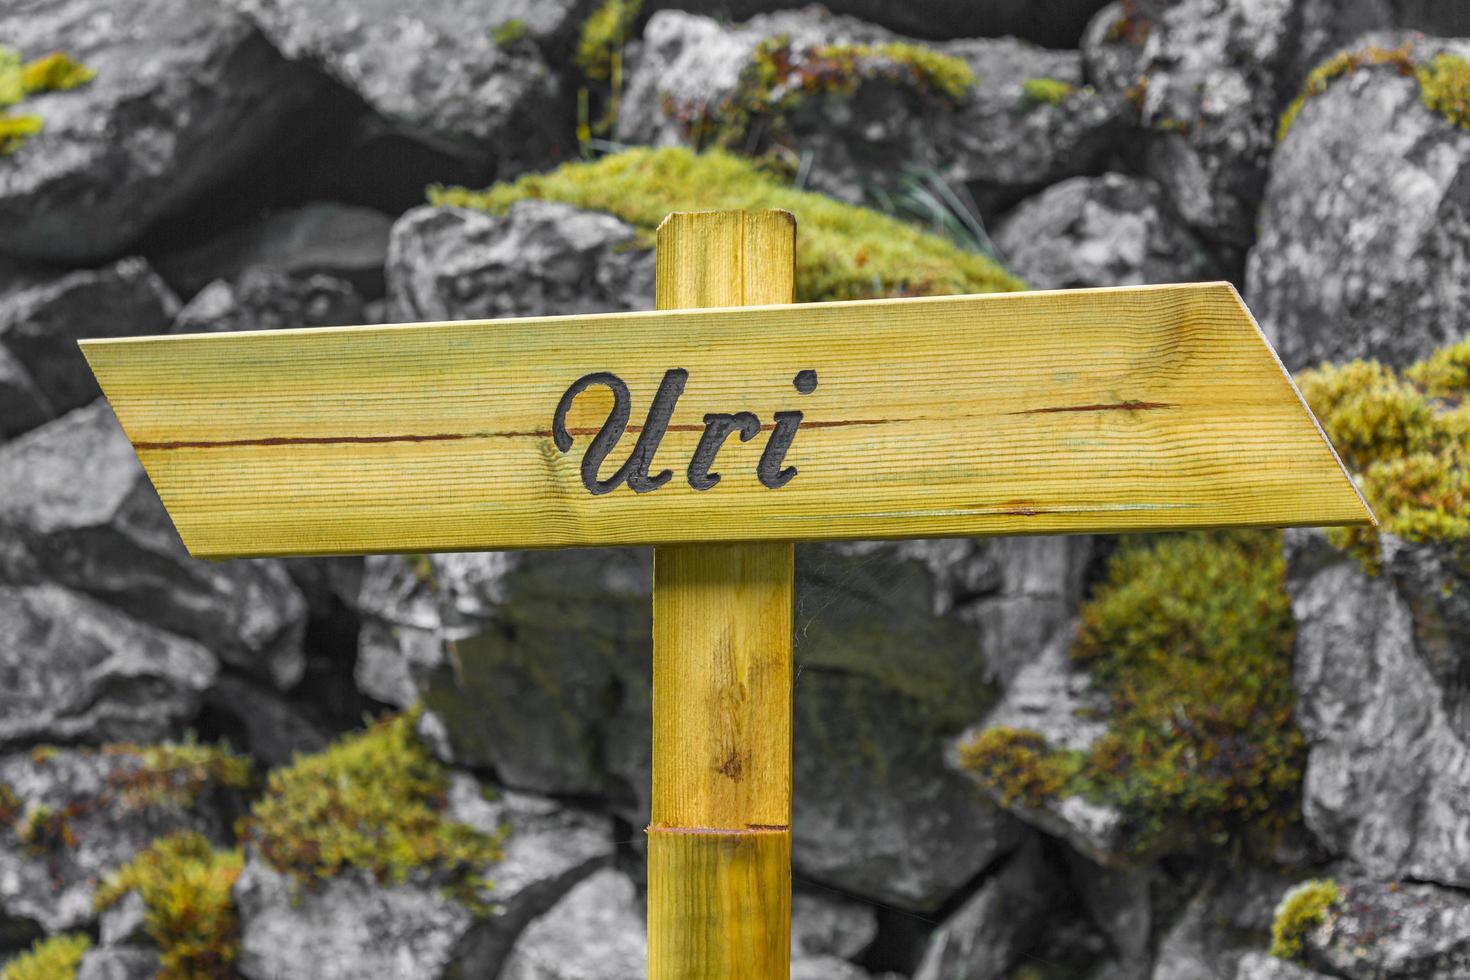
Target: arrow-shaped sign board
1141,408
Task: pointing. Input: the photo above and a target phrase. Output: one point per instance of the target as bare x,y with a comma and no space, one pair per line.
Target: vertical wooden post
719,842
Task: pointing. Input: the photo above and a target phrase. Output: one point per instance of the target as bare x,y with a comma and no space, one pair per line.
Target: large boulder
22,406
1391,930
72,669
185,95
68,816
320,238
351,926
77,509
1382,704
1362,251
1113,230
541,258
266,299
436,69
41,322
594,933
1027,120
1227,919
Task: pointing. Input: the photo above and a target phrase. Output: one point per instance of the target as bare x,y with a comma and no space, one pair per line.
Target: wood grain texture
719,840
1144,408
742,884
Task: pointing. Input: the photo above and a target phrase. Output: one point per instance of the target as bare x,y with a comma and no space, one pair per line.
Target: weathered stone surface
41,325
1393,930
22,406
124,921
1113,230
263,723
72,824
352,927
1263,966
321,238
1227,918
1364,249
76,509
1381,702
1055,23
1327,25
826,925
1119,903
995,926
594,933
827,968
72,669
996,140
541,258
264,299
876,812
1114,49
433,68
185,94
119,963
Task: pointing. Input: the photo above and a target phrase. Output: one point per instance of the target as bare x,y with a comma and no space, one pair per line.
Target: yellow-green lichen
1189,636
842,251
173,774
185,885
1301,910
54,958
1406,439
782,75
509,32
604,33
54,72
375,801
1047,91
11,806
1444,85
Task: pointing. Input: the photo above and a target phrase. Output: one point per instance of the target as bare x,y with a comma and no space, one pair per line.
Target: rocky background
1227,756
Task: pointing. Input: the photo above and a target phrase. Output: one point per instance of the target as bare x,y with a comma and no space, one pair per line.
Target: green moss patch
604,32
375,801
1406,438
1301,910
1190,638
1444,82
55,72
1047,91
842,251
53,958
185,885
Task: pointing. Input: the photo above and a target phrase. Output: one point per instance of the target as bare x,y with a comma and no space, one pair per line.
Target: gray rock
594,933
41,325
996,140
353,927
1262,966
1119,902
185,94
1327,25
72,825
1381,703
1115,47
263,299
1213,71
264,724
827,925
826,968
72,669
541,258
124,921
76,509
995,926
876,812
22,406
435,68
1392,930
119,963
1113,230
343,241
1228,918
1363,249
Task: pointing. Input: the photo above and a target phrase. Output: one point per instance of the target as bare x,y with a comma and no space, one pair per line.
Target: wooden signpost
721,436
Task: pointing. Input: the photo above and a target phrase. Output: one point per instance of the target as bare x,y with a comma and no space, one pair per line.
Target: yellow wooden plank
719,839
1143,408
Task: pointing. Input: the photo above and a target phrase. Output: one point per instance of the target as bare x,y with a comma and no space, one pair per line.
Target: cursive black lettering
607,437
717,428
654,428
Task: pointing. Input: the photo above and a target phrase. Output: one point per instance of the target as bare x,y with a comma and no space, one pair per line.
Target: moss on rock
603,34
1444,82
842,252
185,884
1047,91
375,801
53,958
1406,438
1190,637
1301,910
55,72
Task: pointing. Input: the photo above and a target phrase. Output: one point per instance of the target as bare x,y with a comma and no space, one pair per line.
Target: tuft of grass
54,958
1301,910
375,801
1047,91
842,252
1190,637
185,885
1406,438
